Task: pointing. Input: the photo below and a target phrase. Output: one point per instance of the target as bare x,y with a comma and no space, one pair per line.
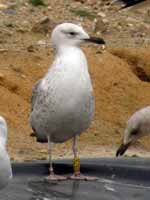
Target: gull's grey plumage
34,93
137,126
63,102
5,165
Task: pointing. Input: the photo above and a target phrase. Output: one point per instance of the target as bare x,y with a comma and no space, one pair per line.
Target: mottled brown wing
35,91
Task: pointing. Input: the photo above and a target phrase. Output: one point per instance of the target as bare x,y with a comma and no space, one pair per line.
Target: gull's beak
122,149
95,40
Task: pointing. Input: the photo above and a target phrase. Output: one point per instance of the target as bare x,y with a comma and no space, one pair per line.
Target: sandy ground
120,77
118,93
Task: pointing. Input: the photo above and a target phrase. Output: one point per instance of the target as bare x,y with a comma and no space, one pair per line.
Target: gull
5,166
137,126
128,3
62,103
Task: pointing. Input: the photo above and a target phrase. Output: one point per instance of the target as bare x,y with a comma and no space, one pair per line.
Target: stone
31,48
101,14
2,76
45,25
92,2
100,25
3,6
81,1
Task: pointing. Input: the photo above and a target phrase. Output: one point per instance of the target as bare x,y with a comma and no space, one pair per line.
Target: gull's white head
3,131
68,34
130,136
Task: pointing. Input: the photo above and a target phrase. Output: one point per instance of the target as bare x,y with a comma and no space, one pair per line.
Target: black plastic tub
124,179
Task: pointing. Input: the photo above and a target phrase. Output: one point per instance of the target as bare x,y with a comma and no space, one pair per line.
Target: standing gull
62,101
137,126
5,166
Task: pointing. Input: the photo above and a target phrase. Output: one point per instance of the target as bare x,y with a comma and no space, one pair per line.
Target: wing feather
35,93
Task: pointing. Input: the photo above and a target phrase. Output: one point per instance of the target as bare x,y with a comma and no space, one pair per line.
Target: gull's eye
134,132
73,33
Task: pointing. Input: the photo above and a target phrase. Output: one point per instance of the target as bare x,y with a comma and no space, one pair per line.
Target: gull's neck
70,57
66,48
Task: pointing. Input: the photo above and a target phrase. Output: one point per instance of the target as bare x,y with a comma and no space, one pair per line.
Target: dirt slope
118,91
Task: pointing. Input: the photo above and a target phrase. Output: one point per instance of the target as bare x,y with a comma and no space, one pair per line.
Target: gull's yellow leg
76,164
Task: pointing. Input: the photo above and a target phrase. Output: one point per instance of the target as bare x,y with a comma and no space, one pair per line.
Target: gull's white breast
64,105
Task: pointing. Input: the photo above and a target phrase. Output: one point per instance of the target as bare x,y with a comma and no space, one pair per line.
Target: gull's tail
38,139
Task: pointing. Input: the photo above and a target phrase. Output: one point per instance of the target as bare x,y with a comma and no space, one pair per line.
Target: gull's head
68,34
130,136
3,131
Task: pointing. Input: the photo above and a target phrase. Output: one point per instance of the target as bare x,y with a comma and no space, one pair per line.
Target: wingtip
128,3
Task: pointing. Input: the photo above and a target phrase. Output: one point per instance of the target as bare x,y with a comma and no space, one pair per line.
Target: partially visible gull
127,3
137,126
5,165
62,101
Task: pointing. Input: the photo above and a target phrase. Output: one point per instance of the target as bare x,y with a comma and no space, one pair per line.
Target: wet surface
31,186
23,188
